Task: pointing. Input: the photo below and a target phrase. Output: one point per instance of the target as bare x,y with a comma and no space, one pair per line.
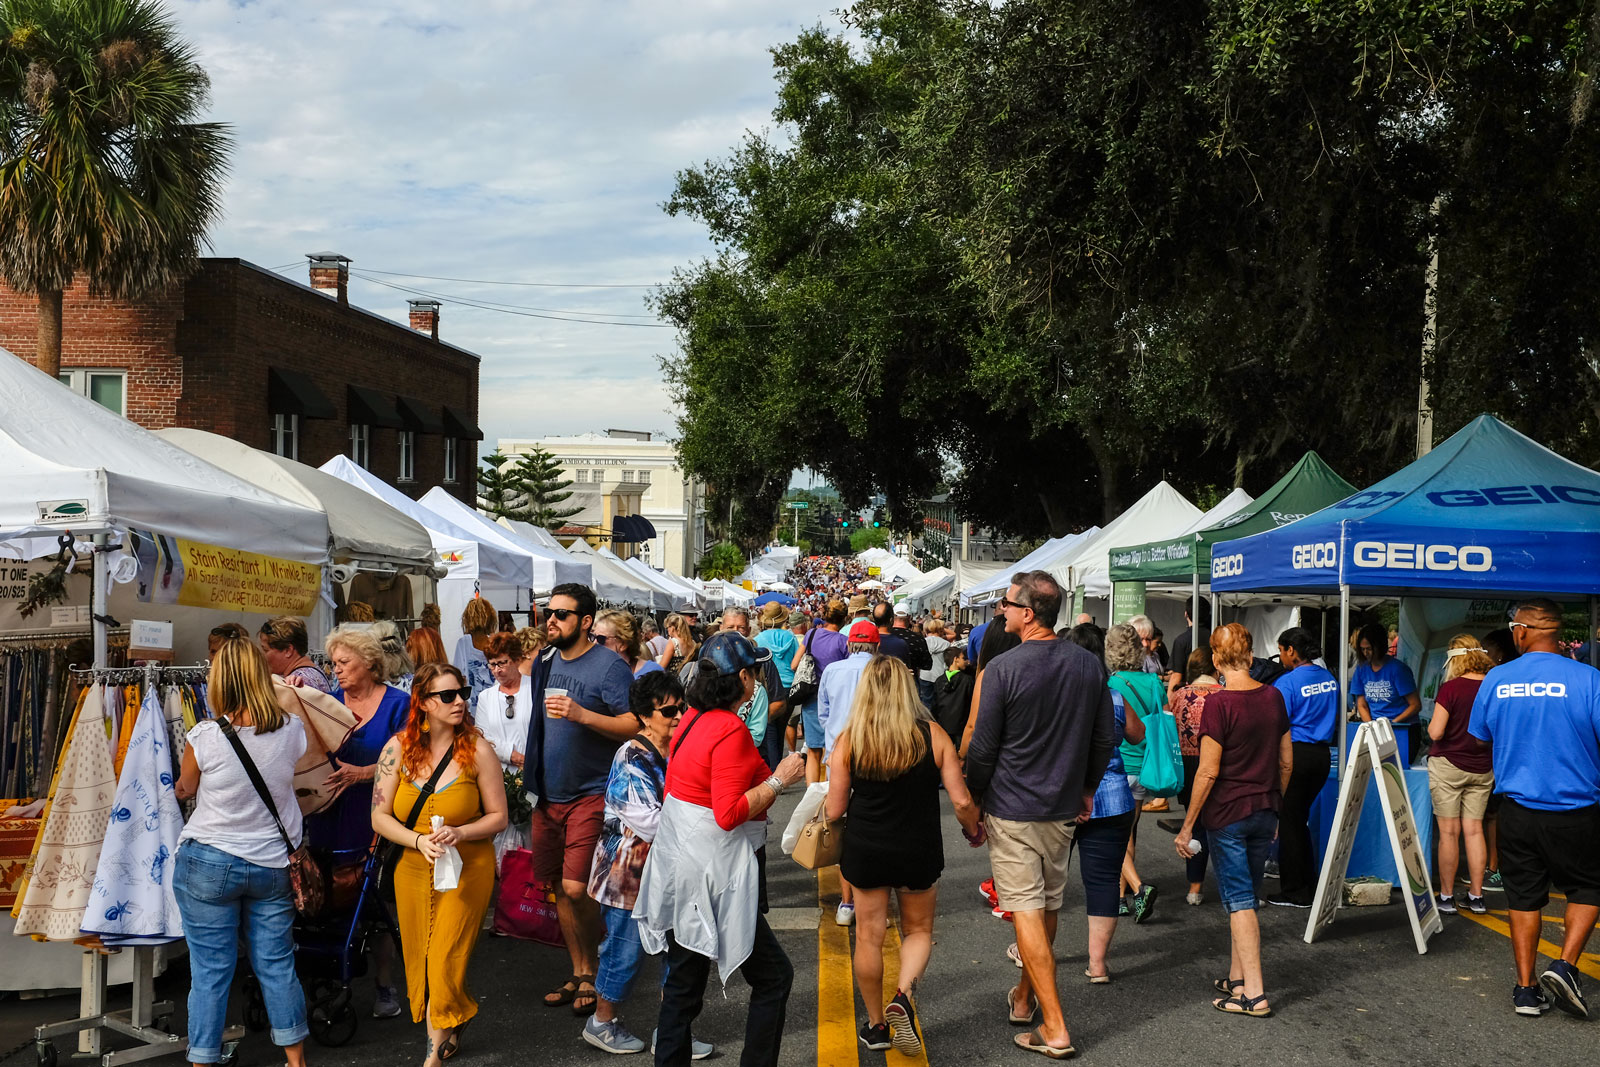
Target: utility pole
1430,332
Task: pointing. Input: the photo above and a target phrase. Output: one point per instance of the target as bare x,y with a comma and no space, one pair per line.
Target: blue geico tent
1487,512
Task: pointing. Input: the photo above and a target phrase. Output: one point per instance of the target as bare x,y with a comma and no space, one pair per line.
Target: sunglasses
1005,604
450,696
671,711
511,705
599,639
561,613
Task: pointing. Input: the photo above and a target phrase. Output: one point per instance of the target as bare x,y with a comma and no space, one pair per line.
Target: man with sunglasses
580,714
1541,714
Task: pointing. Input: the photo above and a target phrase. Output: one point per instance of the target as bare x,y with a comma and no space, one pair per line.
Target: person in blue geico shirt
1541,712
1311,696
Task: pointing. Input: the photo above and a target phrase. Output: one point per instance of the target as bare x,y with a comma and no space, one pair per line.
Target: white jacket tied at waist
702,883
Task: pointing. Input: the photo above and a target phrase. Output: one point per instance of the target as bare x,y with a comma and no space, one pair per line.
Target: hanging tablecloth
132,902
52,903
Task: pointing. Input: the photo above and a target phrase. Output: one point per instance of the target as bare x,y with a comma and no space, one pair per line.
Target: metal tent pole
1194,611
1344,673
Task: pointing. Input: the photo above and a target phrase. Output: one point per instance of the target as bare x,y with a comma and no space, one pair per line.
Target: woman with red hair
440,765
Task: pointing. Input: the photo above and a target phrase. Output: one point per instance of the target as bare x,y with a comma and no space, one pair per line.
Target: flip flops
1097,979
1034,1041
1021,1020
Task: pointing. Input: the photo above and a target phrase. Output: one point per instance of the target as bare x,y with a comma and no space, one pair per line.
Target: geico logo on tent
1223,566
1322,554
1531,689
1319,687
1410,557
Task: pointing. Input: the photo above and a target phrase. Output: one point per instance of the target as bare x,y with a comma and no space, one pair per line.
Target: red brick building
290,368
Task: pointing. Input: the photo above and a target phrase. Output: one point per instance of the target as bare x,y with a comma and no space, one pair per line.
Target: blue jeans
218,894
925,693
1241,858
1101,845
620,955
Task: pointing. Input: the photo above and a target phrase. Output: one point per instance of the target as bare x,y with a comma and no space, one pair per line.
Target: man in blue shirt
1311,697
1541,714
581,714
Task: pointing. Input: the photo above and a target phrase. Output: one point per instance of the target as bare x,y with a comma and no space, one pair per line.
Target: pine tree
541,489
499,486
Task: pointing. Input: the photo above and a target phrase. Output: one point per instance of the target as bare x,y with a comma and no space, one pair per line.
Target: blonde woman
397,664
885,773
231,873
478,621
617,630
532,639
681,648
1246,757
1460,773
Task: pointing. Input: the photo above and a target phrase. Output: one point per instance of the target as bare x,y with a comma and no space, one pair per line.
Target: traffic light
877,518
845,523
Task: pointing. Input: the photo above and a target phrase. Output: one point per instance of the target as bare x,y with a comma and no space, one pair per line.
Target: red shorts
562,838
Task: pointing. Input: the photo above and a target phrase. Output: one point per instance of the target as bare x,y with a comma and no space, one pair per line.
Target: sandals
1021,1020
584,1003
1097,979
568,992
452,1044
1034,1041
1227,986
1242,1005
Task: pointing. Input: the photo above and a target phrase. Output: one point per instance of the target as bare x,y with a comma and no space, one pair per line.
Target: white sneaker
846,915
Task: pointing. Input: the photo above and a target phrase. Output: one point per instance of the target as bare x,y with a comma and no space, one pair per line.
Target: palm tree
104,171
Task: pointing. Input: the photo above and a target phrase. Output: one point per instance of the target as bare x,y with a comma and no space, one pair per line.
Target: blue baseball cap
731,652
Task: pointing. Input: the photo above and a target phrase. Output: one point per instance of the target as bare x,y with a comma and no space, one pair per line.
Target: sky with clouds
504,140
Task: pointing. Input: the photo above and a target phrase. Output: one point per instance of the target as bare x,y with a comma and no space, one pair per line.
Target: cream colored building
674,503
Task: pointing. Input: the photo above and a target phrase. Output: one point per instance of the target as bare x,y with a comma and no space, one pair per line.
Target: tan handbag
821,842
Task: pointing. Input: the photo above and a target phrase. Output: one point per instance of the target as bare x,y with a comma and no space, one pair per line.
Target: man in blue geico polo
1541,714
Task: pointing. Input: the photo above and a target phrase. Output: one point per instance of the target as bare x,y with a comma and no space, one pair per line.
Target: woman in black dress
885,774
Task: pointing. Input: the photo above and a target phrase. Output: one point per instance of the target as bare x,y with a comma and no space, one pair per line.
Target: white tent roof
59,450
1162,512
934,585
548,569
681,599
890,566
496,562
667,578
1223,508
1040,559
765,569
361,527
612,580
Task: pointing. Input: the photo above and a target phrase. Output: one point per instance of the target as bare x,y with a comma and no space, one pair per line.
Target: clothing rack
148,1019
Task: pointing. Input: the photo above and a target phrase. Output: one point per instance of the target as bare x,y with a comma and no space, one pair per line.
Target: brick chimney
425,317
330,275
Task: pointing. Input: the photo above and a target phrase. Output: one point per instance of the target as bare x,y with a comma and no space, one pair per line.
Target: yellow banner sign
874,571
205,576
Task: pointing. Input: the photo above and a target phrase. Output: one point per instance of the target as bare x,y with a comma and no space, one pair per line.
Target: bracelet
417,844
774,783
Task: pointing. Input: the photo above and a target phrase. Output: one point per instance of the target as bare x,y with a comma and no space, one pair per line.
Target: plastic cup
552,692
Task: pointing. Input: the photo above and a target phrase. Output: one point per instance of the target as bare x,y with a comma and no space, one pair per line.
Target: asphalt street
1361,993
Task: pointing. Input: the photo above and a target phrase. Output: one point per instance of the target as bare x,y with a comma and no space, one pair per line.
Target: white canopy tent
765,569
678,598
1162,512
932,588
547,568
610,581
891,568
994,585
695,596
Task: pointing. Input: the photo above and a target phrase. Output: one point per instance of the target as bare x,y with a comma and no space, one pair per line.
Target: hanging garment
132,902
20,884
172,711
51,906
328,725
132,709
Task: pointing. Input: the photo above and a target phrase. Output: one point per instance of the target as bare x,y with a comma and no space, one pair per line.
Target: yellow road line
836,998
1588,963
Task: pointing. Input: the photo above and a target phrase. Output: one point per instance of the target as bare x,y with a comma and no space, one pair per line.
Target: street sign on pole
799,504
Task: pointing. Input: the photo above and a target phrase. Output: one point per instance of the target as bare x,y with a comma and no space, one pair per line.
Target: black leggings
1101,845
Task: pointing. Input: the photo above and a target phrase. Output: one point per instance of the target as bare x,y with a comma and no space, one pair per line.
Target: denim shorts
812,725
1239,857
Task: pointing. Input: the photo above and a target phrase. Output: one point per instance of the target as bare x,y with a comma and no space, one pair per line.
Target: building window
644,476
597,476
360,440
583,475
108,388
627,476
408,455
286,436
450,460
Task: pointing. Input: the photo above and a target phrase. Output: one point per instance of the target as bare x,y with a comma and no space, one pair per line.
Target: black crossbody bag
389,852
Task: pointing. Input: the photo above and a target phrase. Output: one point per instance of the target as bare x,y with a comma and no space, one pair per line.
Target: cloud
495,139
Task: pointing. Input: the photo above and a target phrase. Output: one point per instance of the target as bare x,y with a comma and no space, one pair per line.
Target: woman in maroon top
1460,773
1245,760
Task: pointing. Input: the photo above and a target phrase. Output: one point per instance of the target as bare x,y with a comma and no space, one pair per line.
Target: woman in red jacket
700,895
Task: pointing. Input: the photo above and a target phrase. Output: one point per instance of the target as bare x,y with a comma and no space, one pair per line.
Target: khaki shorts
1458,794
1029,860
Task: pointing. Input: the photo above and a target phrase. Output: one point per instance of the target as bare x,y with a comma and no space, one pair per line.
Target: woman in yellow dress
438,928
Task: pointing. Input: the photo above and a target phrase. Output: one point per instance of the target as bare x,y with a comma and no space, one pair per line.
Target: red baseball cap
863,630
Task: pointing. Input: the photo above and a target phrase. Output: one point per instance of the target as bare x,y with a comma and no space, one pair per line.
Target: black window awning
647,529
631,528
372,408
458,425
418,416
292,393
